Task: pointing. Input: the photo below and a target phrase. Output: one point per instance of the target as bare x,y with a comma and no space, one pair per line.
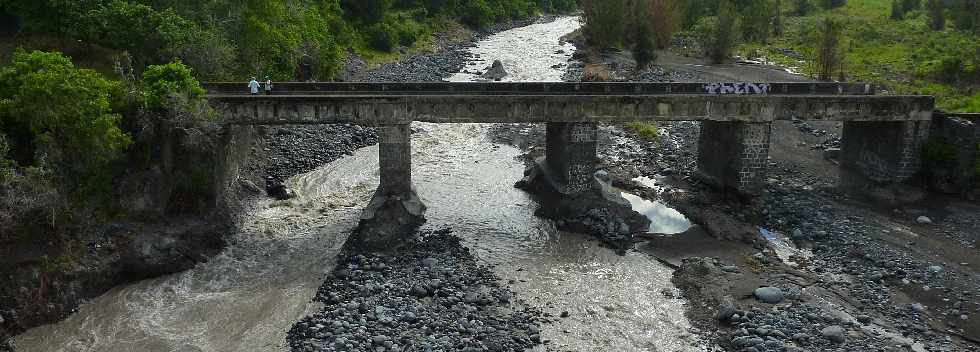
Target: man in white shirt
253,86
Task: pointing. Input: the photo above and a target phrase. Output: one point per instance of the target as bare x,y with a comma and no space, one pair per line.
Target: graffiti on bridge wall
737,88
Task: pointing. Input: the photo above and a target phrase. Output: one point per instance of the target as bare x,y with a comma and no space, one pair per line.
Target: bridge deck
400,103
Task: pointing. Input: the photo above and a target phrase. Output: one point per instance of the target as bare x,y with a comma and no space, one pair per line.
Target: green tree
60,114
718,34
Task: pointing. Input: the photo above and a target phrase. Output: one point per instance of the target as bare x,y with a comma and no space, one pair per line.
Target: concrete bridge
881,141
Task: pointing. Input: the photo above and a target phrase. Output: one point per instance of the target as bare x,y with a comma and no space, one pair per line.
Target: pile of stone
430,296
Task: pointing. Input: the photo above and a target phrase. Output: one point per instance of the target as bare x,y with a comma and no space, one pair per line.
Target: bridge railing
556,88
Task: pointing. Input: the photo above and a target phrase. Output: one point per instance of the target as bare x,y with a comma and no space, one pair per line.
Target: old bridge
882,134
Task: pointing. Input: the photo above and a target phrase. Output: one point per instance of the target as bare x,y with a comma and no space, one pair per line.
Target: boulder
496,71
771,295
834,333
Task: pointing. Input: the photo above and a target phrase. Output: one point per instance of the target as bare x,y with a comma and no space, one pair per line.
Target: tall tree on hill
604,22
777,19
721,37
937,15
829,53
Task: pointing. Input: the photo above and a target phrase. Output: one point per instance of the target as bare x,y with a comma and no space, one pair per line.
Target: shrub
646,130
409,32
164,85
54,112
382,36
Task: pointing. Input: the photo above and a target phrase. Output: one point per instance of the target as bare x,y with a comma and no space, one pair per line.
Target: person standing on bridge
268,86
253,86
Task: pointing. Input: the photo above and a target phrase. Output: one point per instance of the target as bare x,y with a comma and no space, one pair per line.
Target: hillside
902,56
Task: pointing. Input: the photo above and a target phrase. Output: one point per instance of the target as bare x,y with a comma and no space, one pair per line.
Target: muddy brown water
246,298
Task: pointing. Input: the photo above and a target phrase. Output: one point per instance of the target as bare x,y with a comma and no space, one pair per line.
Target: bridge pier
565,184
395,210
881,153
570,160
735,155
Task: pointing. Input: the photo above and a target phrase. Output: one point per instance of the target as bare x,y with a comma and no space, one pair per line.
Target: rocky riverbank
429,296
836,272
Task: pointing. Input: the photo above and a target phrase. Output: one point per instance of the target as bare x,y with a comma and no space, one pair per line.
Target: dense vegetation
907,46
234,39
74,131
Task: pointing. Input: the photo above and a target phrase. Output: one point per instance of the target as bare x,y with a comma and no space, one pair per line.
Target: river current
246,298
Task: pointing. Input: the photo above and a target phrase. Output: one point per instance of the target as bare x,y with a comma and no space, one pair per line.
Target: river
246,298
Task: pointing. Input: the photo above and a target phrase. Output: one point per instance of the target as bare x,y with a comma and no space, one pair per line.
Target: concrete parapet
734,155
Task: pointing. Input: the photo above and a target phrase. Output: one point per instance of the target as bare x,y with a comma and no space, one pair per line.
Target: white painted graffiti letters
738,88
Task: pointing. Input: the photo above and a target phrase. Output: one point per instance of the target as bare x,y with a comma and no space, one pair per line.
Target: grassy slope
892,54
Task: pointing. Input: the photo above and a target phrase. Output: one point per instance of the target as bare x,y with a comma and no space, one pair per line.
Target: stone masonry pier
882,134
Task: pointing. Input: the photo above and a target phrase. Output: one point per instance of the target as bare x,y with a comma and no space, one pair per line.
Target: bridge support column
734,155
570,159
881,153
396,210
565,184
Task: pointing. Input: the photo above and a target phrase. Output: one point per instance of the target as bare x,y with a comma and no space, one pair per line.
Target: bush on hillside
165,85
